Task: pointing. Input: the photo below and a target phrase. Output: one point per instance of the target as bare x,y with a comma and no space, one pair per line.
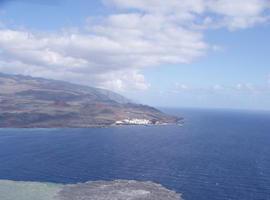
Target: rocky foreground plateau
94,190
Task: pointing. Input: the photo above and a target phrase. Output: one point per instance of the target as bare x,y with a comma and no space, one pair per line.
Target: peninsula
28,102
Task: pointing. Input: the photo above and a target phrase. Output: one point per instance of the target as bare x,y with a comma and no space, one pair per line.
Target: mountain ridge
31,102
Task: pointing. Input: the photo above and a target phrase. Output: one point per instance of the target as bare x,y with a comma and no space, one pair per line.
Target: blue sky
196,53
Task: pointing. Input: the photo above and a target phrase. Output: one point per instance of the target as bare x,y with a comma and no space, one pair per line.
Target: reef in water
95,190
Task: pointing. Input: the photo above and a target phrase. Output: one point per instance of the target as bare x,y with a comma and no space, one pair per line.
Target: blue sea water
216,155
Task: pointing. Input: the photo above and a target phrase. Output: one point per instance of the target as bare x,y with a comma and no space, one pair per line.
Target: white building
134,121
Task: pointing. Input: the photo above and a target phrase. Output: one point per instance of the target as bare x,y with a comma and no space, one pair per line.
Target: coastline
98,190
179,122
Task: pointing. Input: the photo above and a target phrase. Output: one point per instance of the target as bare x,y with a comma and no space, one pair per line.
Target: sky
174,53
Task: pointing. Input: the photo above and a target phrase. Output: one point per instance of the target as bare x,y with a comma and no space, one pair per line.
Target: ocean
215,155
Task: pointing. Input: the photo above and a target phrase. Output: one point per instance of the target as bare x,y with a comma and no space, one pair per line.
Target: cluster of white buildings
134,122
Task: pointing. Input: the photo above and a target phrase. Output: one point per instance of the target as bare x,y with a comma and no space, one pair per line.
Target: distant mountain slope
36,102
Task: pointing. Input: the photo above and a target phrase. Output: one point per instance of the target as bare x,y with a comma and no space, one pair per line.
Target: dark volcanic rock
35,102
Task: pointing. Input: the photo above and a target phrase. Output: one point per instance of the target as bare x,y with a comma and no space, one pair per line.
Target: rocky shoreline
94,190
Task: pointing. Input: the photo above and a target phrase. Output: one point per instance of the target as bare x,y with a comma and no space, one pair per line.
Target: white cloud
231,14
245,87
129,80
112,51
218,87
112,48
241,14
87,59
240,88
181,87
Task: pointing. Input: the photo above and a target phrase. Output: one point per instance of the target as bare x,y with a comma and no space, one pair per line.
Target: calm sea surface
215,155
